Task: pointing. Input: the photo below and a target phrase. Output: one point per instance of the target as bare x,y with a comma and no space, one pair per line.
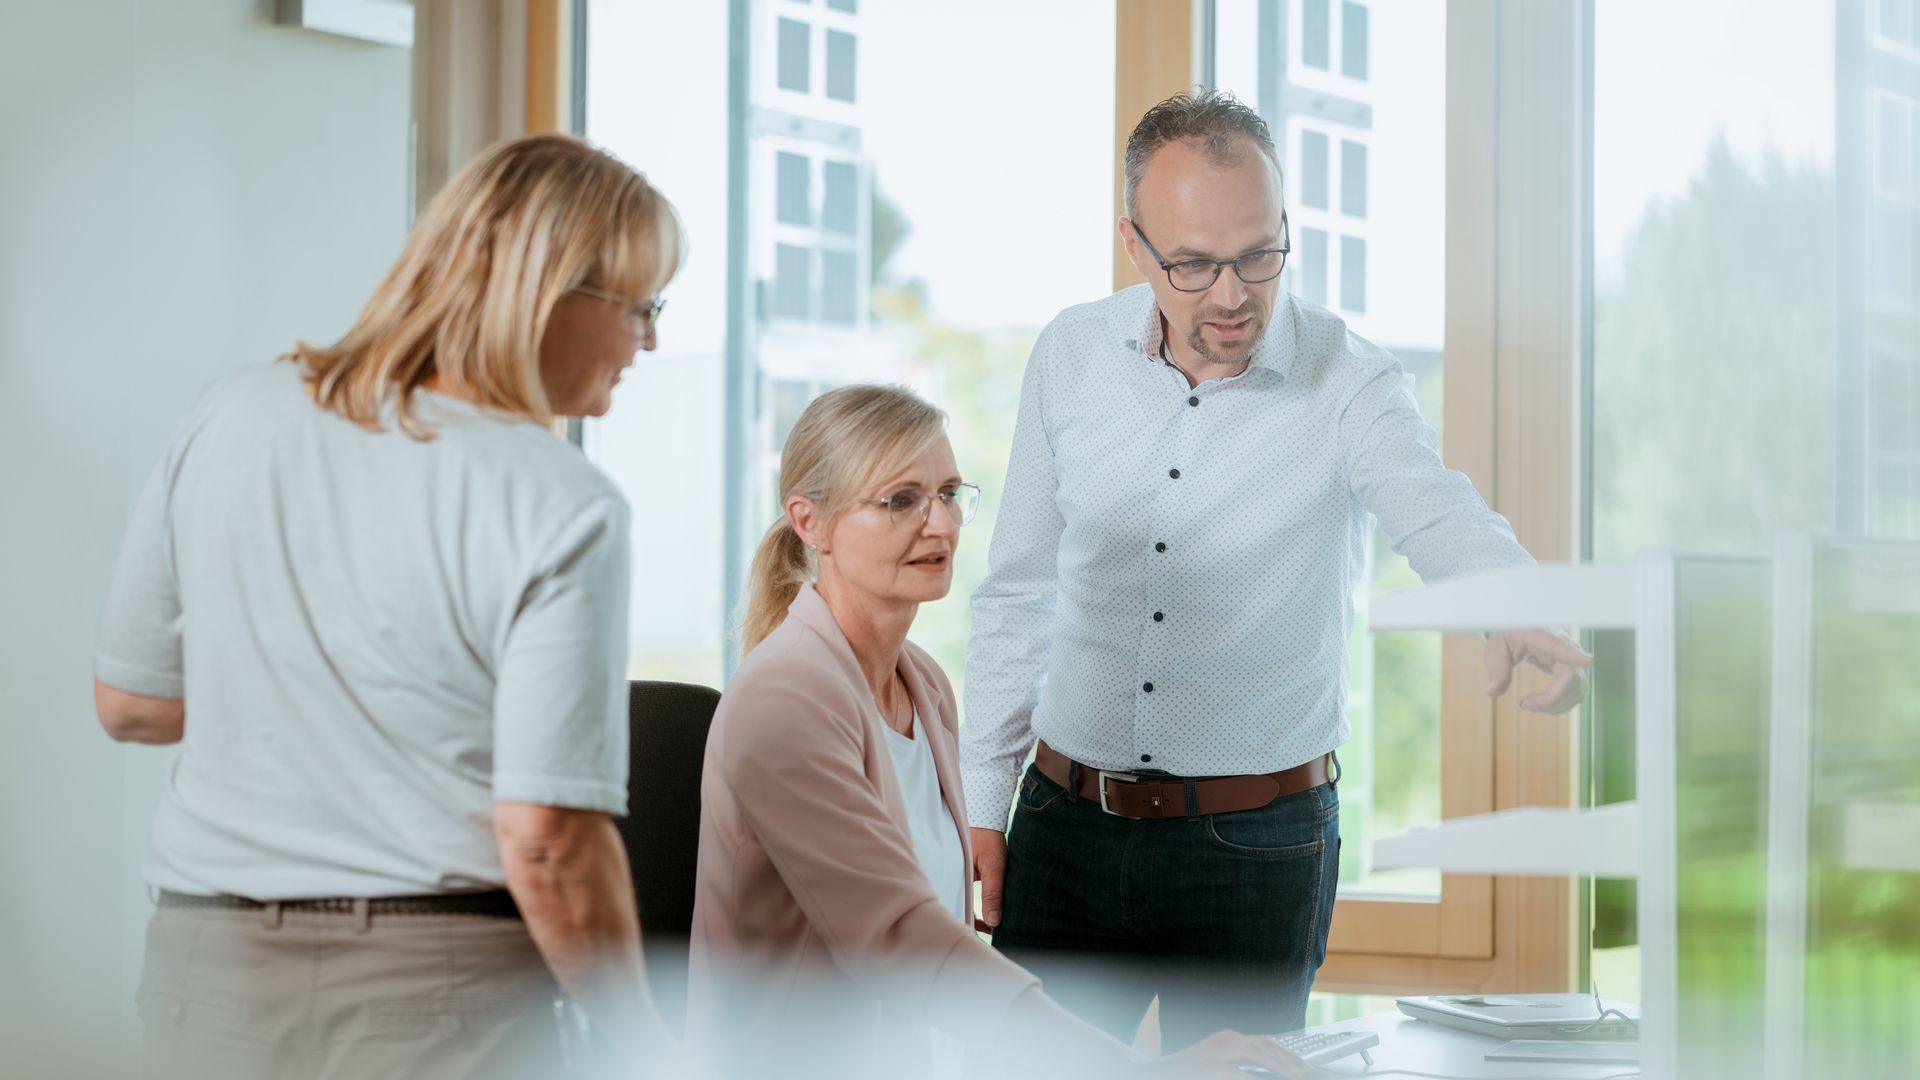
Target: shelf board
1530,840
1592,596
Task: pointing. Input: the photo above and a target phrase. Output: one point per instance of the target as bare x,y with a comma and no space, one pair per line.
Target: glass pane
1714,276
795,58
1382,250
1313,169
919,297
892,275
795,194
840,65
672,397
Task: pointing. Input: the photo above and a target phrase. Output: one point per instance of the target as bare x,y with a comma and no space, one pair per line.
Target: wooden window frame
1515,248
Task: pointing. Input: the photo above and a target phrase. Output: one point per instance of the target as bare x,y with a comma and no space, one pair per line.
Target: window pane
838,290
796,45
1353,178
671,399
1383,251
1315,34
1313,265
792,281
794,181
840,60
1353,44
1313,169
1713,305
1353,274
841,213
891,273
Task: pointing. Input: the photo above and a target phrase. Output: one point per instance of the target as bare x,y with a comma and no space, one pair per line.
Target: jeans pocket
1037,792
1283,829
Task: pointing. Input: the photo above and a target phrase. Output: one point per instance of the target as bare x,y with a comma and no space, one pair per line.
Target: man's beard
1211,355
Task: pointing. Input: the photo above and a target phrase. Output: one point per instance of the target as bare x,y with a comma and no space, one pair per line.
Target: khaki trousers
310,995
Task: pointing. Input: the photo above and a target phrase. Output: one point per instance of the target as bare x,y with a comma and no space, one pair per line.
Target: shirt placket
1156,677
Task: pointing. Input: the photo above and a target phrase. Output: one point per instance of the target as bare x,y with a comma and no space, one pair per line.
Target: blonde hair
468,300
846,440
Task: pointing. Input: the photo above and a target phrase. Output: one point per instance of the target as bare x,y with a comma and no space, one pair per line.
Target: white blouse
936,836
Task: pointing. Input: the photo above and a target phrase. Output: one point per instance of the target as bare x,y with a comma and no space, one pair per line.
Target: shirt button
1159,616
1159,547
1148,687
1194,401
1175,473
1146,757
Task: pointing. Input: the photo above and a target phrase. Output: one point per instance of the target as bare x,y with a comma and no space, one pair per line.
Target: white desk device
1527,1016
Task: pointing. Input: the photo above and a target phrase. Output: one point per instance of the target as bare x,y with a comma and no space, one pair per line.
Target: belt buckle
1104,777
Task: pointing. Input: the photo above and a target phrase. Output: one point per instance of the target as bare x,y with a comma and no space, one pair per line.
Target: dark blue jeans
1224,917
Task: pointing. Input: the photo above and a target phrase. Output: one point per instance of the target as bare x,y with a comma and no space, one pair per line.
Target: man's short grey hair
1216,118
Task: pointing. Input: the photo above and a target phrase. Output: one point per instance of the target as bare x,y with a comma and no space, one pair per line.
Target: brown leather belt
1127,795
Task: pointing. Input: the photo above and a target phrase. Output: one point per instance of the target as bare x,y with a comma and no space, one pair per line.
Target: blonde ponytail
780,566
845,440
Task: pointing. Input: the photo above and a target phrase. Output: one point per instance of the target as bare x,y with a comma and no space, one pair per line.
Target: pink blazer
810,908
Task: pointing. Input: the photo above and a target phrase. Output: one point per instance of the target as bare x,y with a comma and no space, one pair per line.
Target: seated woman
833,920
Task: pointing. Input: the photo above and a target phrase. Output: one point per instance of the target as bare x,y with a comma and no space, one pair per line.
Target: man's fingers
1569,685
1499,666
1556,649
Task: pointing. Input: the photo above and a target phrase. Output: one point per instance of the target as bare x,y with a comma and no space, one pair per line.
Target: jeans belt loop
362,915
1193,797
1073,782
1334,780
270,915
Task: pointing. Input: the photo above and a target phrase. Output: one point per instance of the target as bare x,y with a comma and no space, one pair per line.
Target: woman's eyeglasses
908,508
646,311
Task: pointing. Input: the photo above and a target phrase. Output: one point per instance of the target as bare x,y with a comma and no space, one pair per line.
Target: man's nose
1228,291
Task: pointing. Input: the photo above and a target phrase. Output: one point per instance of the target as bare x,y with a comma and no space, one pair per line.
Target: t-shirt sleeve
560,698
138,647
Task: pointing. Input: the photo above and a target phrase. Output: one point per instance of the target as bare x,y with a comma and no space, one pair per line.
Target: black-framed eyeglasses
647,310
1198,275
908,508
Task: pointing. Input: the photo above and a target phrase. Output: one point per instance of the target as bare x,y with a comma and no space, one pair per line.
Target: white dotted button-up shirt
1170,582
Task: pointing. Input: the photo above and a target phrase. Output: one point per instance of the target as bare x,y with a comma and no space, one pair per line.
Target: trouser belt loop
1073,781
362,915
1334,780
270,915
1193,797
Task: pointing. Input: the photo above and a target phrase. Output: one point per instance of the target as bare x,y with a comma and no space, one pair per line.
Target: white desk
1406,1043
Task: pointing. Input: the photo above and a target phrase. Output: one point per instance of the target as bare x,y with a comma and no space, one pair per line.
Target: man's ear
1130,240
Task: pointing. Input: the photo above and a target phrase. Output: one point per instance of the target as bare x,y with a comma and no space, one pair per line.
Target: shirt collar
1273,352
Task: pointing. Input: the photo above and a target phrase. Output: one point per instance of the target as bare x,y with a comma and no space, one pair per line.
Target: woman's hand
1221,1055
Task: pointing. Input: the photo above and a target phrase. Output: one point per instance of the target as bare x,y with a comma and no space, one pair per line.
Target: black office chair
668,725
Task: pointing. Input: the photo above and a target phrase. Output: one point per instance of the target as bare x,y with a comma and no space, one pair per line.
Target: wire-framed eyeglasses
908,508
647,311
1198,275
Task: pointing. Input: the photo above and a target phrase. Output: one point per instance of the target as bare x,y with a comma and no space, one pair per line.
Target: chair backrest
668,725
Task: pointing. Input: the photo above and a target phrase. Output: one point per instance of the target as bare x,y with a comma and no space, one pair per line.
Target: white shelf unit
1635,840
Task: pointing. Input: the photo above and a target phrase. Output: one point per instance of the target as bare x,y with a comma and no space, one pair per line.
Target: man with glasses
1167,605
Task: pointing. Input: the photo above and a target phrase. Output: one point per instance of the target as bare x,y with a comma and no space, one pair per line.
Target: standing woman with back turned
395,606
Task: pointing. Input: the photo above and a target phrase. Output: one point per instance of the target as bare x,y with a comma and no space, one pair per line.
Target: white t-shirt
376,639
936,838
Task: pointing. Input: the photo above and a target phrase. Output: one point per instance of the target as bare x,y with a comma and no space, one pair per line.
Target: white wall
184,188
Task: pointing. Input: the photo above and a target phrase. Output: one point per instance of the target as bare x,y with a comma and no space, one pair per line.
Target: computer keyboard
1318,1048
